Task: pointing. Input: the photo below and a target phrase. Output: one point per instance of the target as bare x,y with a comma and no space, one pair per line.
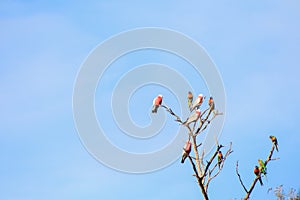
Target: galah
211,103
197,103
220,158
156,103
257,173
190,99
274,140
262,167
193,117
186,151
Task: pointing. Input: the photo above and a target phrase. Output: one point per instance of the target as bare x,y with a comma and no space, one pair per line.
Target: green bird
262,167
190,99
220,158
274,140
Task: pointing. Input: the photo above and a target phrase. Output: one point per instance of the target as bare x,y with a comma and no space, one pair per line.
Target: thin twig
206,122
169,110
237,172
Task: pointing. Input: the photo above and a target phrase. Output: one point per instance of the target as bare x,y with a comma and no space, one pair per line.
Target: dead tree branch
248,192
204,172
210,176
237,172
211,159
199,180
169,110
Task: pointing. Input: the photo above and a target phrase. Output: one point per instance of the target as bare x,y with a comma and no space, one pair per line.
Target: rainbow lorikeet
211,103
257,173
275,142
220,158
190,99
262,167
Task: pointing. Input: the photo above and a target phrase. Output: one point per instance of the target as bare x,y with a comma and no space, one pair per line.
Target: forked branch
249,191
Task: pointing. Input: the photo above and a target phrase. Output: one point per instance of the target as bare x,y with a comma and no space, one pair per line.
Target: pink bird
156,103
186,151
193,117
197,103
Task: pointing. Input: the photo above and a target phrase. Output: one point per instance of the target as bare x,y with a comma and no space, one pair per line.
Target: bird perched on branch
257,173
186,151
220,158
190,99
197,103
193,117
211,103
274,140
156,103
262,167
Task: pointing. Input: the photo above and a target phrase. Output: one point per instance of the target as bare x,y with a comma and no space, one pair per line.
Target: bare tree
262,171
281,195
204,170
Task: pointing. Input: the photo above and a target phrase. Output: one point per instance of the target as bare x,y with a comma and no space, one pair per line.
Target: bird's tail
261,183
219,163
265,174
154,109
183,158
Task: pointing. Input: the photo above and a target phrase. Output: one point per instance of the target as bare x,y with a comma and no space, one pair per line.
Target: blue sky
254,44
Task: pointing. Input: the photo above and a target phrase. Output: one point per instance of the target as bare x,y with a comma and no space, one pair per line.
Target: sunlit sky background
255,45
